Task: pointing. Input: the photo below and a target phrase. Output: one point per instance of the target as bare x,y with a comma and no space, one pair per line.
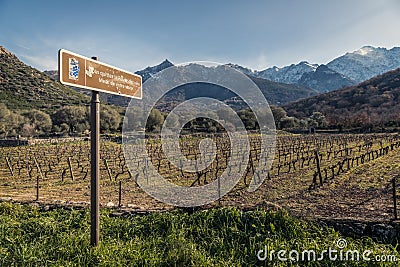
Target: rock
359,228
116,214
110,204
46,208
34,204
386,232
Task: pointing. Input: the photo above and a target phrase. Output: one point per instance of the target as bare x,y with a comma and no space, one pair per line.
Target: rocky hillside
281,93
375,101
23,87
323,79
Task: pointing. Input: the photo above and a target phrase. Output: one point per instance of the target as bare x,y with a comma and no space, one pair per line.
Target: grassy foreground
214,237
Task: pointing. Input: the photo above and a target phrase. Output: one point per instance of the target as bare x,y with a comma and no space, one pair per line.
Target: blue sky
135,34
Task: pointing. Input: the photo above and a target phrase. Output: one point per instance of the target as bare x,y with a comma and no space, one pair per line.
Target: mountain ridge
351,69
334,75
324,79
275,92
366,62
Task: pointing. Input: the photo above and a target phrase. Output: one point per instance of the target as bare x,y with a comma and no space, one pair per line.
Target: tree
73,116
4,114
278,113
185,118
28,130
248,118
39,121
4,111
224,114
288,122
229,117
154,121
10,122
110,119
319,119
174,120
132,119
303,124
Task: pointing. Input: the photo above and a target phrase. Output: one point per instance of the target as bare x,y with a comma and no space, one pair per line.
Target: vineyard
312,175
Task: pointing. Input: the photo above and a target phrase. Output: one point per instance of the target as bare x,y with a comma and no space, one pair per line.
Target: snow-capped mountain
289,74
150,71
323,79
314,76
244,70
366,62
346,70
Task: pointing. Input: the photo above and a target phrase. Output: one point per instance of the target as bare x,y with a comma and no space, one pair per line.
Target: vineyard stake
219,191
9,166
38,167
70,168
37,188
94,168
318,167
394,197
120,194
108,169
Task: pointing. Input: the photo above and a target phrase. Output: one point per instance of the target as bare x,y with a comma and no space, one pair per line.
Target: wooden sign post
94,168
79,71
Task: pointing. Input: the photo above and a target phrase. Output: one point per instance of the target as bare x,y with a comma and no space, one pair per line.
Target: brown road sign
79,71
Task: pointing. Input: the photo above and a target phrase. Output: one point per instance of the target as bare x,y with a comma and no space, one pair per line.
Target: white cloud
40,62
23,46
256,62
262,62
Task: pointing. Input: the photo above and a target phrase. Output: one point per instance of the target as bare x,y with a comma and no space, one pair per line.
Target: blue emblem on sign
74,69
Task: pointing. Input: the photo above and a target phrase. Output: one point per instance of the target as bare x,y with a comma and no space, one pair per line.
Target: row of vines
313,159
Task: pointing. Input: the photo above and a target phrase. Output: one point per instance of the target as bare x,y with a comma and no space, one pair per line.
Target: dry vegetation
354,180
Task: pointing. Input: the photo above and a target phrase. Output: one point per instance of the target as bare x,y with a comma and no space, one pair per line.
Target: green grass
214,237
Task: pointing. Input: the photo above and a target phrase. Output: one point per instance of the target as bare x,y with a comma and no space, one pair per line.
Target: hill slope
23,87
281,93
375,101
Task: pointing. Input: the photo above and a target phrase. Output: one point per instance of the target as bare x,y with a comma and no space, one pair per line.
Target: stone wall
25,142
